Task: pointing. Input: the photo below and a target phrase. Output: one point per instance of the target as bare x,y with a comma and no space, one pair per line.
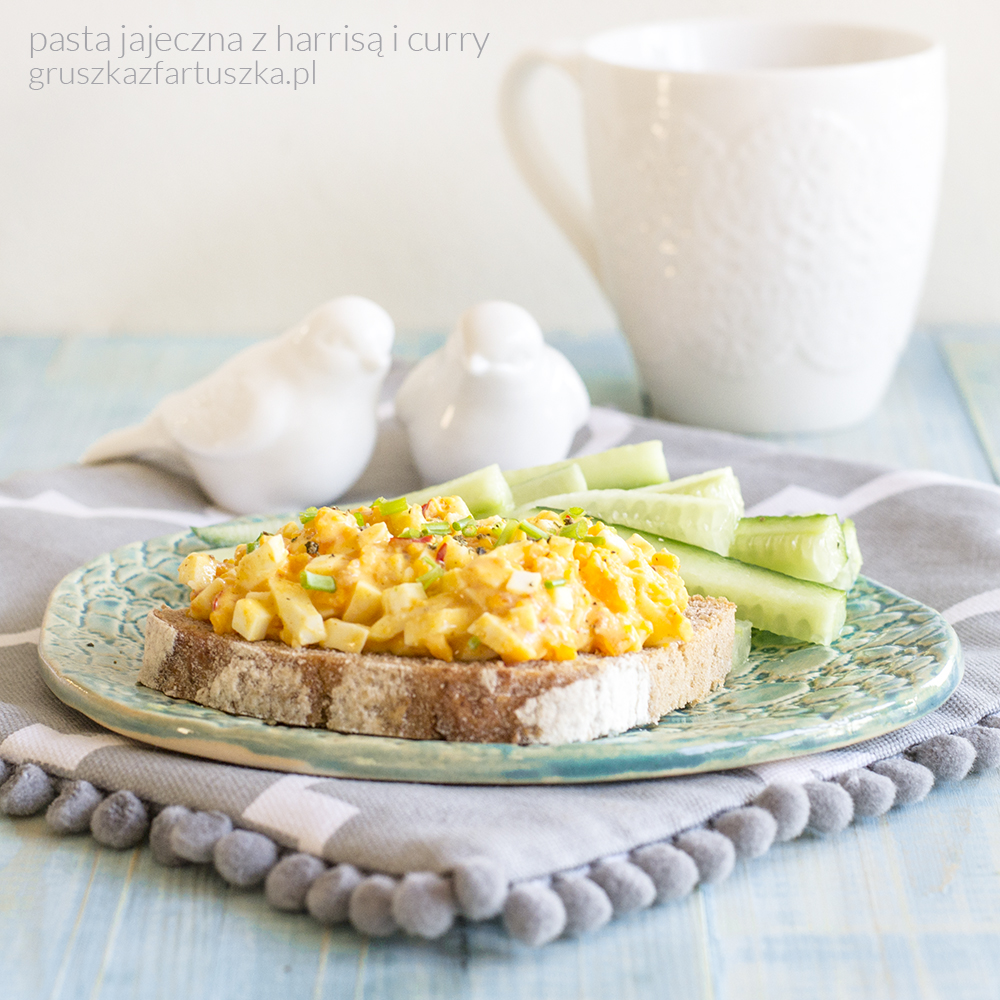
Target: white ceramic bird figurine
496,392
285,424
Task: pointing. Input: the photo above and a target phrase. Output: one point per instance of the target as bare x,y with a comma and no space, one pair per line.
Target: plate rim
242,740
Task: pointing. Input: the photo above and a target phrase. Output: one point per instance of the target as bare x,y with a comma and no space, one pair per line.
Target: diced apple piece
348,637
365,607
521,581
492,570
251,619
197,570
303,623
324,564
374,534
201,605
399,599
499,637
261,564
387,627
563,596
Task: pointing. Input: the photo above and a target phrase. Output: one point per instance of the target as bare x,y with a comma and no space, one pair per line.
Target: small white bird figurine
285,424
496,392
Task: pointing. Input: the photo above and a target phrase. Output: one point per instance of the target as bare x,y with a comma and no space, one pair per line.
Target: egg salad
431,580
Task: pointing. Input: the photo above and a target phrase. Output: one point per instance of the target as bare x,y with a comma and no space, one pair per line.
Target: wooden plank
974,359
906,906
92,385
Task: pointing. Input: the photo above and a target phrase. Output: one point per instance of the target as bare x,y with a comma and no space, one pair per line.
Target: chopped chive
433,574
594,540
557,582
252,545
359,517
509,527
317,581
388,507
308,514
467,526
436,528
533,531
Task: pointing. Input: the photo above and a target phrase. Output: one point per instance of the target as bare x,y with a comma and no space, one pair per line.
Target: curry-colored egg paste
430,580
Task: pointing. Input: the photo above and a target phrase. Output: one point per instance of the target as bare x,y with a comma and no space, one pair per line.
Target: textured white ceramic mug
764,197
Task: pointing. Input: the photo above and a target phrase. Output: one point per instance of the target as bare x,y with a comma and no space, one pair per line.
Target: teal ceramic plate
895,661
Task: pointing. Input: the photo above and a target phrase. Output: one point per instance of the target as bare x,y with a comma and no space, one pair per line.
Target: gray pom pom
328,897
586,903
873,794
986,743
950,758
912,781
370,908
195,835
534,914
288,881
423,904
628,887
71,811
27,791
159,835
480,888
713,853
788,803
751,829
673,872
120,821
243,858
831,809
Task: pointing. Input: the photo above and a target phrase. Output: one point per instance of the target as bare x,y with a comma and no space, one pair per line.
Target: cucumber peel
484,491
810,547
241,532
703,521
568,479
845,579
799,609
717,484
627,467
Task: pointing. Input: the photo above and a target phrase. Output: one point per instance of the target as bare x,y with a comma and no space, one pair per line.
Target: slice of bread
487,701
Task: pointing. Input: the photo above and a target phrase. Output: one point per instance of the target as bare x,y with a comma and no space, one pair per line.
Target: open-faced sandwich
420,621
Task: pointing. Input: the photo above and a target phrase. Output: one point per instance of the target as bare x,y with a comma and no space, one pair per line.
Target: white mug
764,198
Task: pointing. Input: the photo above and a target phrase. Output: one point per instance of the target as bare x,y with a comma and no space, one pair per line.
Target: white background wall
236,209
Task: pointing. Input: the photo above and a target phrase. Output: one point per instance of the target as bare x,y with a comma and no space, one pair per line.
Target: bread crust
486,701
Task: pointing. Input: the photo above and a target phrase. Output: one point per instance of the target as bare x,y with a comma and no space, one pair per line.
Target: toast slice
421,698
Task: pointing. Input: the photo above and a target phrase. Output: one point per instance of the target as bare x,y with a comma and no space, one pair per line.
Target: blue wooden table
904,906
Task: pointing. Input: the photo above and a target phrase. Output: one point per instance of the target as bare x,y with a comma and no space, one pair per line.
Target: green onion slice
467,526
308,514
436,528
509,527
533,531
557,582
433,574
389,507
359,517
317,581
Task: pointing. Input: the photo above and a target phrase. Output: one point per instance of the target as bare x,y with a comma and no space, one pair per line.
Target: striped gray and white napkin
928,535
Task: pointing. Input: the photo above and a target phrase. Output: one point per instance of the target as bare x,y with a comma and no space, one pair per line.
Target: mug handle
531,157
